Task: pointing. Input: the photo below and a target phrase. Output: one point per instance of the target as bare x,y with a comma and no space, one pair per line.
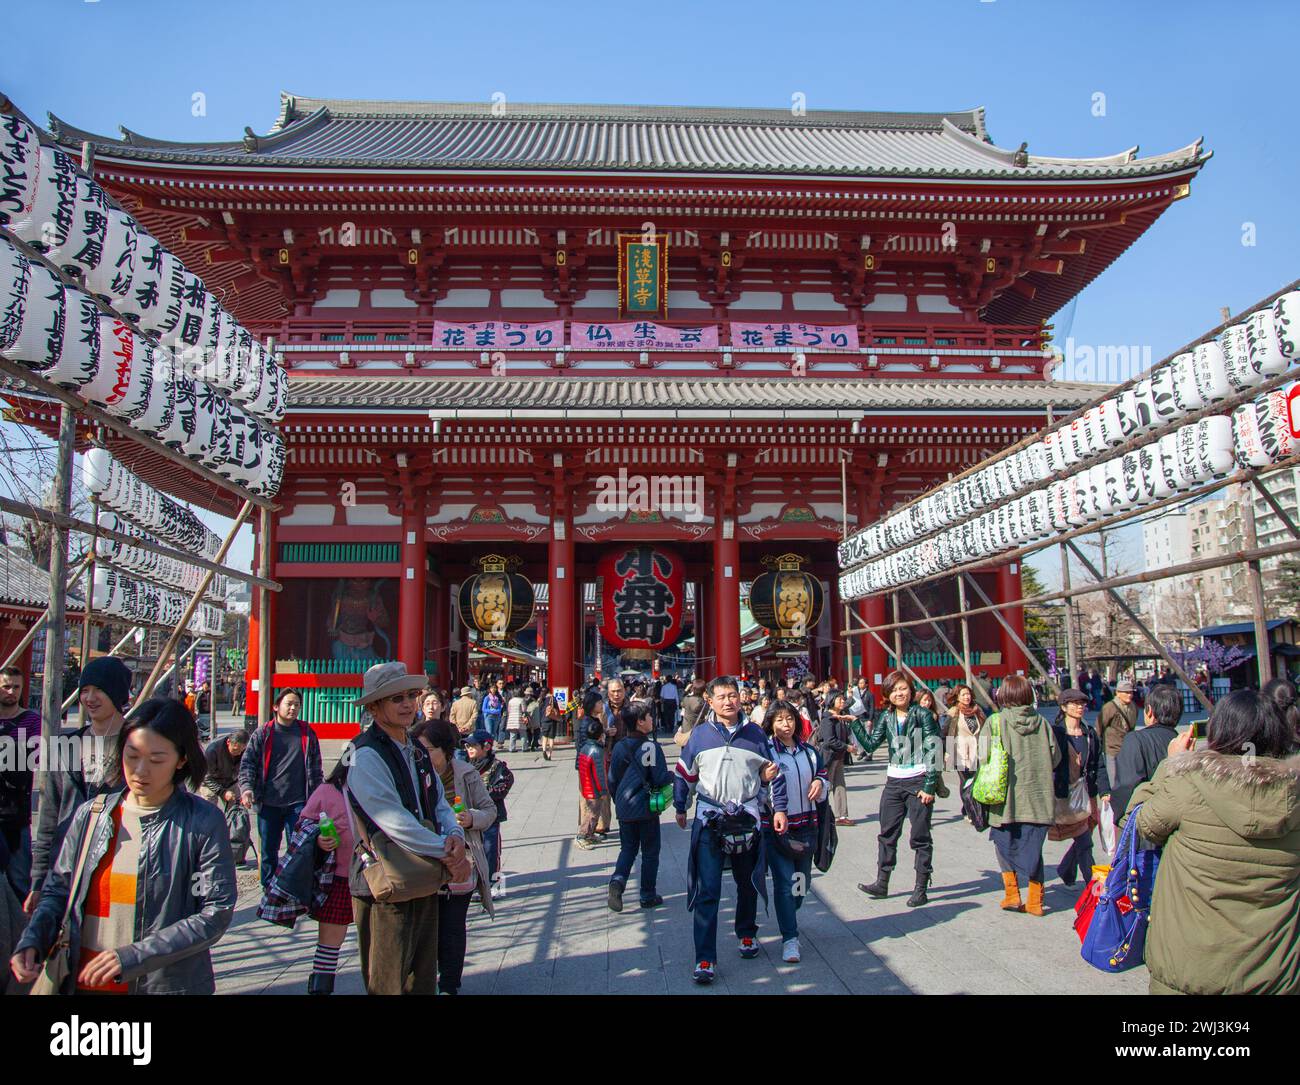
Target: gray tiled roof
550,396
324,133
24,583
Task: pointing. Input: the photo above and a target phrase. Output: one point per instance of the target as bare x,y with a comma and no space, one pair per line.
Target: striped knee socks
326,960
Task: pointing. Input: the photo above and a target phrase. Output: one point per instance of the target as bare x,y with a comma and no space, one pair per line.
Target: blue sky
1169,73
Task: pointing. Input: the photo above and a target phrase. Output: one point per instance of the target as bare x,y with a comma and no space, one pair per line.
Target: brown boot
1011,902
1035,903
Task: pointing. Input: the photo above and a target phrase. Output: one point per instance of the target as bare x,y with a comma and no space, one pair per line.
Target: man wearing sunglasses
391,785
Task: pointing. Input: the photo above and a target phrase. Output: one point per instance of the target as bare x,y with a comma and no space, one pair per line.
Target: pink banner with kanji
499,335
809,336
642,335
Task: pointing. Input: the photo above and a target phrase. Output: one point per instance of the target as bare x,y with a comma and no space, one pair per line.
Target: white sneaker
790,951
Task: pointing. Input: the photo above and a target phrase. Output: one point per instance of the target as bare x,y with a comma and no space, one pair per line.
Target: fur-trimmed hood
1257,797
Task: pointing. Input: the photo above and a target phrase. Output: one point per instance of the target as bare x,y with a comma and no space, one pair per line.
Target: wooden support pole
32,512
1255,582
1071,651
1007,626
1199,566
56,623
965,631
194,602
898,631
265,665
898,662
89,605
1141,625
986,693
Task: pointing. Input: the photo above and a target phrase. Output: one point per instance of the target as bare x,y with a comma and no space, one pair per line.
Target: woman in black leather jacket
157,886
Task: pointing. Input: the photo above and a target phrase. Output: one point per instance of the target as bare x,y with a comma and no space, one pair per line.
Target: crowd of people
403,836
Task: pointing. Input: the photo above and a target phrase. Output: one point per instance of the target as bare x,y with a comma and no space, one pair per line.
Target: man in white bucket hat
391,785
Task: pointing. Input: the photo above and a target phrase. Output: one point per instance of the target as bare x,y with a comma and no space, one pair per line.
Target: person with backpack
725,764
280,768
497,780
221,787
637,769
593,786
792,839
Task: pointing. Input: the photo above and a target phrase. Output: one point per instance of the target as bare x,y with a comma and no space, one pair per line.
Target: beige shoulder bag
392,873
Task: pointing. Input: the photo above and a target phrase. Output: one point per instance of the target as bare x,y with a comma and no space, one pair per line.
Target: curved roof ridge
295,106
1126,157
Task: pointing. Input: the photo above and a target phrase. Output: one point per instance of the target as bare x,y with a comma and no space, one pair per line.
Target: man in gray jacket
392,787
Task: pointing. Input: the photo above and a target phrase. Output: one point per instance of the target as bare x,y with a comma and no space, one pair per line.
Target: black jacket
1136,762
831,737
631,780
1094,765
252,768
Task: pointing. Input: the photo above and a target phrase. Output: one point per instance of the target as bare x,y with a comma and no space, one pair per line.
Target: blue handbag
1117,936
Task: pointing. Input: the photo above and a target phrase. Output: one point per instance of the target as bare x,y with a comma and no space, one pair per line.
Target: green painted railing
340,553
938,659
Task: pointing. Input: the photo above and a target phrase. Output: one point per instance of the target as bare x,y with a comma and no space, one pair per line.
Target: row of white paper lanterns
126,494
168,572
1257,434
1248,354
126,597
50,205
61,334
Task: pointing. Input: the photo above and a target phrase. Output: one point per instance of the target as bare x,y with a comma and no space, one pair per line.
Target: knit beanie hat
110,675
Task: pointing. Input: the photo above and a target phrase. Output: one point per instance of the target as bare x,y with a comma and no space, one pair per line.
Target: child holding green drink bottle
335,914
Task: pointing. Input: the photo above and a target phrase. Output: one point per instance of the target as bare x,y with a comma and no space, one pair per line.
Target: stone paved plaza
554,934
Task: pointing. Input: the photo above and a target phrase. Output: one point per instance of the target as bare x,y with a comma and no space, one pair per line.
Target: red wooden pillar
703,634
561,608
258,670
1009,588
875,660
412,587
837,659
440,633
726,580
872,610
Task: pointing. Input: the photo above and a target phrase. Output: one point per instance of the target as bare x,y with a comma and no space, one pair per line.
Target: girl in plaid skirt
335,913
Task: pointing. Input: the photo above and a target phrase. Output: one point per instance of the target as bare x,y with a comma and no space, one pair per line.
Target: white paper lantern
1214,442
112,277
82,354
1144,405
1126,407
1209,367
81,249
1286,323
1169,477
49,219
1162,394
1266,356
35,324
124,357
20,168
1237,366
1187,392
183,422
1113,481
1190,464
1273,416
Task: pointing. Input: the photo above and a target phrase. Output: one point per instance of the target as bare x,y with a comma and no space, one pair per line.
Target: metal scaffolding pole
1132,616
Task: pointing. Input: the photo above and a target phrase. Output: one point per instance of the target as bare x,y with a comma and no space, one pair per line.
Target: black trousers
453,912
900,800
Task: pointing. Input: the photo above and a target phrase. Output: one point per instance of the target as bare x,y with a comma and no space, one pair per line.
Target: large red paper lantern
642,593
